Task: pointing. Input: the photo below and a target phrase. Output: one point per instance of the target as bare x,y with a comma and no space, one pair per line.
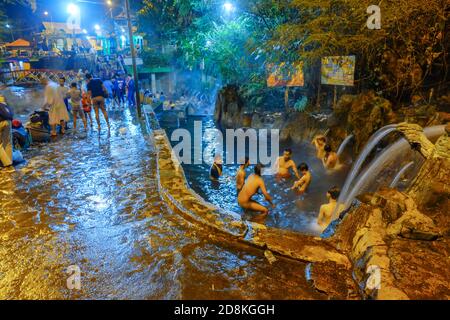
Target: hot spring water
292,211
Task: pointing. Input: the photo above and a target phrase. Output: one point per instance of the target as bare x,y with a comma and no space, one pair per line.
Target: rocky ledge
399,241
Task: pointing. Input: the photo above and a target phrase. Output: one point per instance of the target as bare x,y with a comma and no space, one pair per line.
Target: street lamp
110,5
97,27
73,9
47,14
74,19
8,26
133,58
228,7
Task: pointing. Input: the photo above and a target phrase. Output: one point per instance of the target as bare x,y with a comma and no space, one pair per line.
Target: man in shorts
97,92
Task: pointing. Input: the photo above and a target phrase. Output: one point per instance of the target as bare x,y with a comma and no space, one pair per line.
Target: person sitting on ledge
284,163
216,169
327,210
330,160
301,185
240,175
319,142
254,183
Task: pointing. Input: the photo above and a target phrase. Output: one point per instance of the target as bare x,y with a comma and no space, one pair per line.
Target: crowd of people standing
84,95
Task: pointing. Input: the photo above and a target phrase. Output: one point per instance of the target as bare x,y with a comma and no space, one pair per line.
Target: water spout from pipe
373,141
400,174
379,163
343,145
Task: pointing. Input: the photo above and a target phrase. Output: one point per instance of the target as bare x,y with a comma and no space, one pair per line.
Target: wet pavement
92,202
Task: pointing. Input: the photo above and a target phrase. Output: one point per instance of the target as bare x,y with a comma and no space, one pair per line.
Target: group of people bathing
248,187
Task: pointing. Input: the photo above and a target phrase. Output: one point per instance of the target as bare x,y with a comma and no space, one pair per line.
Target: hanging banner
338,70
286,75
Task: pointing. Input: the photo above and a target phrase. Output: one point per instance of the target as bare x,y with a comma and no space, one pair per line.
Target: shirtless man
319,142
330,160
326,210
284,163
302,184
251,186
240,175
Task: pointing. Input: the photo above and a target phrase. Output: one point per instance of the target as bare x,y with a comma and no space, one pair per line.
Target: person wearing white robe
54,103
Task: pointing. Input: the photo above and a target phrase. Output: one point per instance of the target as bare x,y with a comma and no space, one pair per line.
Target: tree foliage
413,38
411,47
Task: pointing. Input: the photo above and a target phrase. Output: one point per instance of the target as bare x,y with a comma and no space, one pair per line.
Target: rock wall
403,239
365,113
229,107
230,112
360,115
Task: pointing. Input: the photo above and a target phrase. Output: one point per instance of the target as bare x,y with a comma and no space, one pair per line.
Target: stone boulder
229,107
360,115
370,235
300,126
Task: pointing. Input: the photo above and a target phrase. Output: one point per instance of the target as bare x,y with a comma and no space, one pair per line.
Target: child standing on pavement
75,102
87,106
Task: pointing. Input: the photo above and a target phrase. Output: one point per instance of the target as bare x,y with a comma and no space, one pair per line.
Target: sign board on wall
338,70
286,75
129,61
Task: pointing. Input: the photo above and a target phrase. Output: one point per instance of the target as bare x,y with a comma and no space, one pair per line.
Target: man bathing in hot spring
327,210
284,164
254,183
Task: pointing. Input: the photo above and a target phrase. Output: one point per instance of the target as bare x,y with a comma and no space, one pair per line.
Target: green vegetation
409,52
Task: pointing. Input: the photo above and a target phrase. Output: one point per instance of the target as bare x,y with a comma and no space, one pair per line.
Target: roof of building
18,43
51,27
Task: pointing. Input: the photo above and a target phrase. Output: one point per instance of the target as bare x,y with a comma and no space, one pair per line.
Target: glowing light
73,9
85,31
97,27
109,2
8,26
228,7
46,13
